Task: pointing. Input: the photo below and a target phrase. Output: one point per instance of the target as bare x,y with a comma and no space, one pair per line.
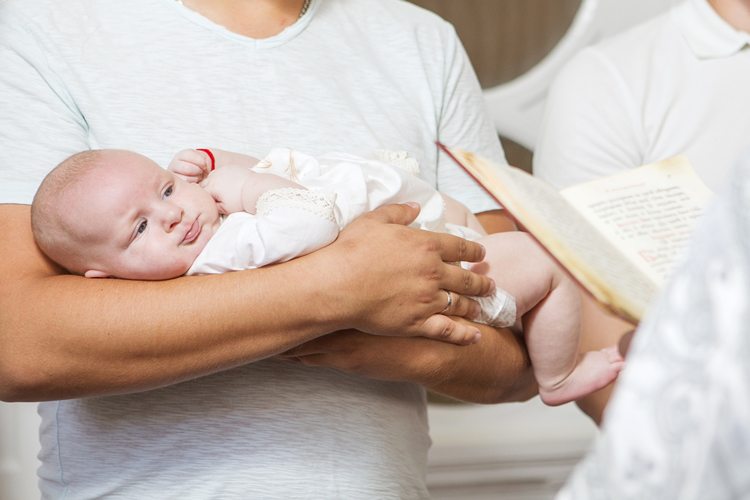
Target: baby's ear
96,274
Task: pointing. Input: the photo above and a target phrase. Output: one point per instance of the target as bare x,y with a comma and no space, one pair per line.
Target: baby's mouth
192,233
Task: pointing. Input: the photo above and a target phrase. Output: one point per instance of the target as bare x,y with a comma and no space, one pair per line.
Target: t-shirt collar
706,32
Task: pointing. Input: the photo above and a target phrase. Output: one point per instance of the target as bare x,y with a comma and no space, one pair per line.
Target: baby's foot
595,369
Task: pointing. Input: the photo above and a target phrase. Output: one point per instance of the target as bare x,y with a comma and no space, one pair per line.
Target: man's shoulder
624,56
636,42
53,17
15,13
11,10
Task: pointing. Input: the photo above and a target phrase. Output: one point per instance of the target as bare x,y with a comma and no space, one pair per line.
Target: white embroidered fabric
398,159
316,202
362,184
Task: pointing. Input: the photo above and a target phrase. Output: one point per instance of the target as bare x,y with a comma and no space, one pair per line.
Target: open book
618,236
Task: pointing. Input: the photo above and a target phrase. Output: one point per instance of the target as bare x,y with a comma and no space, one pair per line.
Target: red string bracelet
210,155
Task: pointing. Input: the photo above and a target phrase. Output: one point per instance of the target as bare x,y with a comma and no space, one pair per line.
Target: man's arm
495,370
496,221
64,336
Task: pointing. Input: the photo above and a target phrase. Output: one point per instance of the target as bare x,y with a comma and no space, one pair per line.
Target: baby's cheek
181,264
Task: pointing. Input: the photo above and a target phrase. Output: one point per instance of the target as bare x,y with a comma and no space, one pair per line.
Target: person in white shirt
676,84
115,213
171,389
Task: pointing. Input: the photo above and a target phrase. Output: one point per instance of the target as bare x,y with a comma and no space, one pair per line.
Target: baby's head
115,213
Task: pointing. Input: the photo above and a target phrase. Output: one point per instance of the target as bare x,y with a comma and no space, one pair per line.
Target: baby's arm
228,177
237,188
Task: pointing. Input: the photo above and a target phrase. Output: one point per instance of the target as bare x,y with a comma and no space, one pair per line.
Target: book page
598,265
649,212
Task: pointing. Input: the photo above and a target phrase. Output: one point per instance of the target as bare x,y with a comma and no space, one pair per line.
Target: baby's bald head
56,220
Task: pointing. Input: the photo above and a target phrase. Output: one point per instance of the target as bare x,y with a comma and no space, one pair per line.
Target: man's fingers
455,249
462,306
403,213
440,327
464,282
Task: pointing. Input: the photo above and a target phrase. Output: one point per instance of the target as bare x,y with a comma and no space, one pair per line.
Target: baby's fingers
187,171
443,328
190,165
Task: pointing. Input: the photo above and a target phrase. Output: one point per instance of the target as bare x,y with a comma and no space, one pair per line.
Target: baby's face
143,222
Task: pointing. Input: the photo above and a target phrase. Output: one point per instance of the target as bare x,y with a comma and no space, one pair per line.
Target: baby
115,213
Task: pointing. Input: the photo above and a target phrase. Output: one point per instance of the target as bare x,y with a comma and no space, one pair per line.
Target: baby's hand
191,165
226,185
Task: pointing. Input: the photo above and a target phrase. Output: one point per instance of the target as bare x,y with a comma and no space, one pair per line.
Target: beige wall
504,38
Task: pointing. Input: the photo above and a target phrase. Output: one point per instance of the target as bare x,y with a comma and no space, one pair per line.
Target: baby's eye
142,227
168,191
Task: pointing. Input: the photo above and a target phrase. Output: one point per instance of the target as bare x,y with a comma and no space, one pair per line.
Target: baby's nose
173,217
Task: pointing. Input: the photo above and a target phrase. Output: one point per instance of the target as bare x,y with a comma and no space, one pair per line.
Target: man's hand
191,165
389,279
494,370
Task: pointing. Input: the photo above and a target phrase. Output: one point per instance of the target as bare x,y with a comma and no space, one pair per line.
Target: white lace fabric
318,203
398,159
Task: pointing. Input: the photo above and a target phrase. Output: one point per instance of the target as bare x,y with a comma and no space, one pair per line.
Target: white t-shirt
154,77
677,84
677,426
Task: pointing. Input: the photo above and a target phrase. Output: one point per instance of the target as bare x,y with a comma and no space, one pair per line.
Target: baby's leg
548,304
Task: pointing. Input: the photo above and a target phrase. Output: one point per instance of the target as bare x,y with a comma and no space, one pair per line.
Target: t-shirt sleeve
464,123
39,124
590,127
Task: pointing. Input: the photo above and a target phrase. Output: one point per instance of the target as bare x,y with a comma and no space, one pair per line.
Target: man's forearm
495,370
496,221
65,336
